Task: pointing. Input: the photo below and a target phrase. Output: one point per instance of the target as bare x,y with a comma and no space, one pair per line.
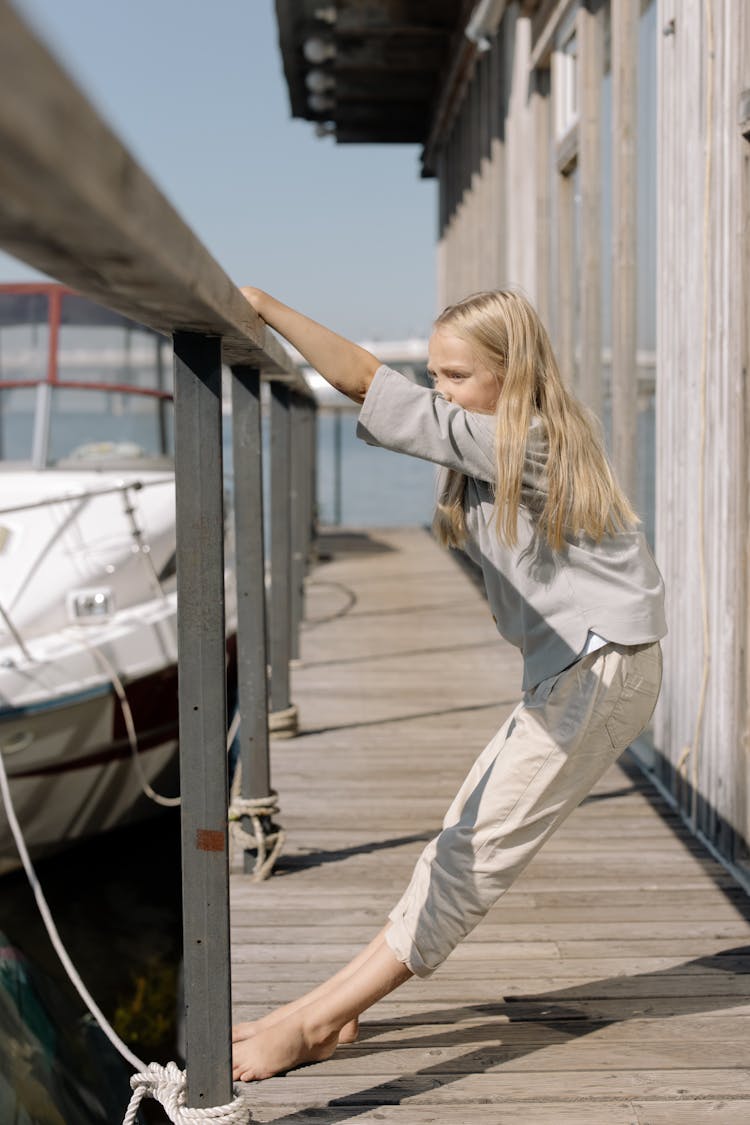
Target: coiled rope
168,1085
266,844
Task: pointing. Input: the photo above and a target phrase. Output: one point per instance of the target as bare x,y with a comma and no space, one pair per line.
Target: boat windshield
80,384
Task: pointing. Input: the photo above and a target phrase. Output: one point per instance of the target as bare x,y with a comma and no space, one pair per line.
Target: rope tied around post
266,838
168,1086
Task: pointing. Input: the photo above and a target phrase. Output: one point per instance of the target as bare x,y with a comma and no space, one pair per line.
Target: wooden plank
574,1054
713,989
76,205
667,1112
417,1013
449,1090
498,932
483,964
685,1030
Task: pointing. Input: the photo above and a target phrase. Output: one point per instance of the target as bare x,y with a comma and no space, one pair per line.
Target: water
116,900
379,488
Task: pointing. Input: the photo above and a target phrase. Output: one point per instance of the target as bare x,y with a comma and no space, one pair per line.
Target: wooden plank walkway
611,985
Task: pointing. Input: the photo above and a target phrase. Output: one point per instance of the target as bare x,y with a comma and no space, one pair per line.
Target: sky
196,92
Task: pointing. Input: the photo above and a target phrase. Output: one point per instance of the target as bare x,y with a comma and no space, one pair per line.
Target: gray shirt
545,602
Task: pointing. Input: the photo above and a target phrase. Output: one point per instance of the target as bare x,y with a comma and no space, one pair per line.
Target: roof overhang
370,71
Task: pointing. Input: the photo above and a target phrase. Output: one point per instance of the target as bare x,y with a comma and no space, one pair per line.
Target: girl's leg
310,1033
561,740
348,1033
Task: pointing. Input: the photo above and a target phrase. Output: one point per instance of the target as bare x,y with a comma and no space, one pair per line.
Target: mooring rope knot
254,806
267,844
168,1086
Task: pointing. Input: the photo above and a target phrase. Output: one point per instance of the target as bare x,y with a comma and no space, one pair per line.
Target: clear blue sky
196,92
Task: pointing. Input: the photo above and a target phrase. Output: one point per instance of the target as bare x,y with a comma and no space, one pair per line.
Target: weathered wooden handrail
75,204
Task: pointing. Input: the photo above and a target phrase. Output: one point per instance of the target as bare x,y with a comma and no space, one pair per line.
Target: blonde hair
583,497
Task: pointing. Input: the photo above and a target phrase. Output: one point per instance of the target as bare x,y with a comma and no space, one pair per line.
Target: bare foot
280,1048
349,1032
242,1031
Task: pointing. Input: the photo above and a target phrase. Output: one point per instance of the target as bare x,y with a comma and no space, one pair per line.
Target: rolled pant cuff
403,948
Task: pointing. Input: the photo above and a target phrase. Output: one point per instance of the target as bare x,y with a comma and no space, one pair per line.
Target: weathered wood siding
506,219
701,365
487,183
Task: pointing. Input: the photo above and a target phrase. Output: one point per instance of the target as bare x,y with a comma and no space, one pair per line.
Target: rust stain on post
209,840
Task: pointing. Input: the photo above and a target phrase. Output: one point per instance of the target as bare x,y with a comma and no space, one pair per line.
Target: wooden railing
75,204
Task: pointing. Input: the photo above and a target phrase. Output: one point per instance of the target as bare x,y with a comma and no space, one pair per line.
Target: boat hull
71,764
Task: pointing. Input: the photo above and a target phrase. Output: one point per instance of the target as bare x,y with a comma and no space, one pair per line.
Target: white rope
51,928
127,714
266,845
168,1085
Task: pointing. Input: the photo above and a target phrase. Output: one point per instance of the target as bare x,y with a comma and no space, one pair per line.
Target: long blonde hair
583,497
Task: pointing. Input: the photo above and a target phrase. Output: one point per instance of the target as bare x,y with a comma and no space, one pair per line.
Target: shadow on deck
611,985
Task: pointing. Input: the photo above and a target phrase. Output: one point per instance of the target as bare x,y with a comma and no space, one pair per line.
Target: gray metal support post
283,718
203,719
309,419
297,518
314,474
337,467
252,658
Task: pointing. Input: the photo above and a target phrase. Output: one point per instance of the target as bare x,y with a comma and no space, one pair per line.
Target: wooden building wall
702,469
487,192
510,181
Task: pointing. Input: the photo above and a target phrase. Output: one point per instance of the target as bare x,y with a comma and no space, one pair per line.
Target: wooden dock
610,986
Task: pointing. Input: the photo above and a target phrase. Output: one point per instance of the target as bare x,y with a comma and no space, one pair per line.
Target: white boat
88,630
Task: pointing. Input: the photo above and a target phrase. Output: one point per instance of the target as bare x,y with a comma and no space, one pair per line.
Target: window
565,79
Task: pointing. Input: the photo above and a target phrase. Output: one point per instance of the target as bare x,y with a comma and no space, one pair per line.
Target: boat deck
610,986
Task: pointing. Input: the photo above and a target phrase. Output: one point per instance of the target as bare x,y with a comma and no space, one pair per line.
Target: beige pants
540,765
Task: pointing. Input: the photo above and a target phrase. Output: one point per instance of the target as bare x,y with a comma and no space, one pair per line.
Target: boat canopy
29,304
79,382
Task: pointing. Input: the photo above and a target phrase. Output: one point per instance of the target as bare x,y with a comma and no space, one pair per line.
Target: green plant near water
146,1017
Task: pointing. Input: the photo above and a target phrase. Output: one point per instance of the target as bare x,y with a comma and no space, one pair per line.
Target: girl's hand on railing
254,297
345,365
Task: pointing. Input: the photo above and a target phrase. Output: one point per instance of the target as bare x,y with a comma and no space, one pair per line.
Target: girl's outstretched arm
345,365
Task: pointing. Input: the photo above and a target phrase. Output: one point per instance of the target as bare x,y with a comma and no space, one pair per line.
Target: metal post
314,473
337,467
163,412
283,718
203,720
308,452
252,659
297,520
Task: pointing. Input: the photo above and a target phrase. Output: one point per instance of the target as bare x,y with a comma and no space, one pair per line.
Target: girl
527,492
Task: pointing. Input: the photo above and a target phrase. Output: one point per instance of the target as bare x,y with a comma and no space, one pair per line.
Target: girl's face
458,375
